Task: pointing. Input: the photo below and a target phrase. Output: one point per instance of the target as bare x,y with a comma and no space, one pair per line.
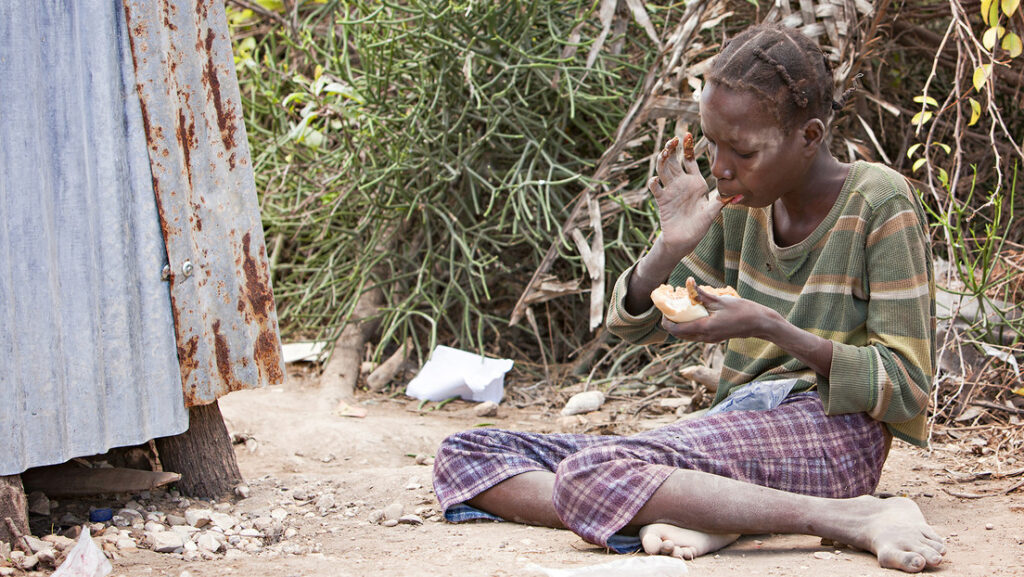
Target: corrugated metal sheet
87,355
103,108
227,331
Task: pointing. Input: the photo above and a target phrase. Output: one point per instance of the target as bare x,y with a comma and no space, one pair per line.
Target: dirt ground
298,448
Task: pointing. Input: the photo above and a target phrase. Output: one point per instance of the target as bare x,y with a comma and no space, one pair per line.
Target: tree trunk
13,510
203,454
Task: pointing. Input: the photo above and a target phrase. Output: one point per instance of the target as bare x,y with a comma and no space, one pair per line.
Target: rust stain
186,133
187,363
222,353
267,353
257,287
225,110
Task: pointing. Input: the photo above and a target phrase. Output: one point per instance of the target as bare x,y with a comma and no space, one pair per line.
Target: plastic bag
757,396
638,566
86,559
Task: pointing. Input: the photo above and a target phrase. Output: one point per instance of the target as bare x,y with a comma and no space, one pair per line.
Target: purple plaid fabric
602,481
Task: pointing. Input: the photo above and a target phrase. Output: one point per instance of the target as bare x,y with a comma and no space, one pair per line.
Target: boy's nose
718,168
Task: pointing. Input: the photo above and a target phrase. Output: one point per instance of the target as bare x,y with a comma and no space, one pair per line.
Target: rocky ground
332,495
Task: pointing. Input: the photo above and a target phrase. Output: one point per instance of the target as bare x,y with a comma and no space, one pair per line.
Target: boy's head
786,70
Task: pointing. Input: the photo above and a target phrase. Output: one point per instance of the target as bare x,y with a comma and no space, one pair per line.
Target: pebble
583,403
243,491
198,518
989,526
393,511
410,519
390,522
486,409
824,555
165,541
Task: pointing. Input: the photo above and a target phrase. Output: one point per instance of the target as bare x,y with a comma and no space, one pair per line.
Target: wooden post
203,454
13,510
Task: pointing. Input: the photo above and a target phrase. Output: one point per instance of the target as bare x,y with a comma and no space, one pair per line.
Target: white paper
452,372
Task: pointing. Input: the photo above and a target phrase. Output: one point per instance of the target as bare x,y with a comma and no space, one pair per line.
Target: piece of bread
681,305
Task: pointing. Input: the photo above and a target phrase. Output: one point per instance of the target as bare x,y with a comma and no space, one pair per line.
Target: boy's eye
744,154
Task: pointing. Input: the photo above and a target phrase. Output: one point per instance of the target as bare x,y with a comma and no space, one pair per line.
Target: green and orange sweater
863,279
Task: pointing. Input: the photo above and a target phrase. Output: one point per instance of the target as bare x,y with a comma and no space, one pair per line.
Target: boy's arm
890,377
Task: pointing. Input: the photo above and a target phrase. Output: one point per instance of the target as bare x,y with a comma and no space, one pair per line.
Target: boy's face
750,154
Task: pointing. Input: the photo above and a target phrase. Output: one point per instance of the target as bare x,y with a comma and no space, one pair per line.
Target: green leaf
981,76
272,5
920,118
921,99
1012,44
986,5
913,148
944,178
975,111
1010,6
945,147
993,14
919,163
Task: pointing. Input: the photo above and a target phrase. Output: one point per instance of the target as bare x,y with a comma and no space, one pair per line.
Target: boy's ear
813,133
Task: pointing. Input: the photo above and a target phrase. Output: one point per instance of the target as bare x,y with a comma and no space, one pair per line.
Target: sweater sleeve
705,264
890,376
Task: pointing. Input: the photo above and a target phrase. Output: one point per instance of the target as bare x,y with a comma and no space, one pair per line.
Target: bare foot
896,532
665,539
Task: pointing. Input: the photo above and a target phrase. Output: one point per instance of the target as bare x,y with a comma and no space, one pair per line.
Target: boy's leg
893,529
508,474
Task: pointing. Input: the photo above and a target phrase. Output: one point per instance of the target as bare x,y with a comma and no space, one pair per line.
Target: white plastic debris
314,351
451,372
636,566
584,402
85,560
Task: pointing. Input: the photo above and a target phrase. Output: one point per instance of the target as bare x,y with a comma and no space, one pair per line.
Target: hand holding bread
681,305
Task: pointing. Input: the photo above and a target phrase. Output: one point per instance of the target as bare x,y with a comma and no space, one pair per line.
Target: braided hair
785,68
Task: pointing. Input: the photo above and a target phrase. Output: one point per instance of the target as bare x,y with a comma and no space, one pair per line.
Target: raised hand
685,206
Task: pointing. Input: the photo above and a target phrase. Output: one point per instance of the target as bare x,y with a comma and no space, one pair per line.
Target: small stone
823,555
222,520
172,520
39,503
250,532
7,571
154,527
198,518
583,403
376,516
47,557
28,562
36,545
325,503
410,520
989,526
390,522
300,495
165,541
207,542
486,409
242,491
279,514
413,484
59,542
393,511
290,532
126,544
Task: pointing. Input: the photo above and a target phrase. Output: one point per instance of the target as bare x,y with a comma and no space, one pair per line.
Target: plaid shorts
602,481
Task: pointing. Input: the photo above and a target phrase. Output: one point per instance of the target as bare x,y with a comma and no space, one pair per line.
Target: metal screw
165,274
186,269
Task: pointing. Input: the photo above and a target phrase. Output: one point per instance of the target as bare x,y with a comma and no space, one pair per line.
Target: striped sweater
862,279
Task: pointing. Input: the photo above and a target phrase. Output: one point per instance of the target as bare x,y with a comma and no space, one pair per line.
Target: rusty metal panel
87,351
223,306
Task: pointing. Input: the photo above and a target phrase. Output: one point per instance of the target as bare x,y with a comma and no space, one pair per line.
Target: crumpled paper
452,372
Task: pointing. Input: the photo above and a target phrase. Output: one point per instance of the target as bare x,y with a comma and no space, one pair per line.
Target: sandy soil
368,463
